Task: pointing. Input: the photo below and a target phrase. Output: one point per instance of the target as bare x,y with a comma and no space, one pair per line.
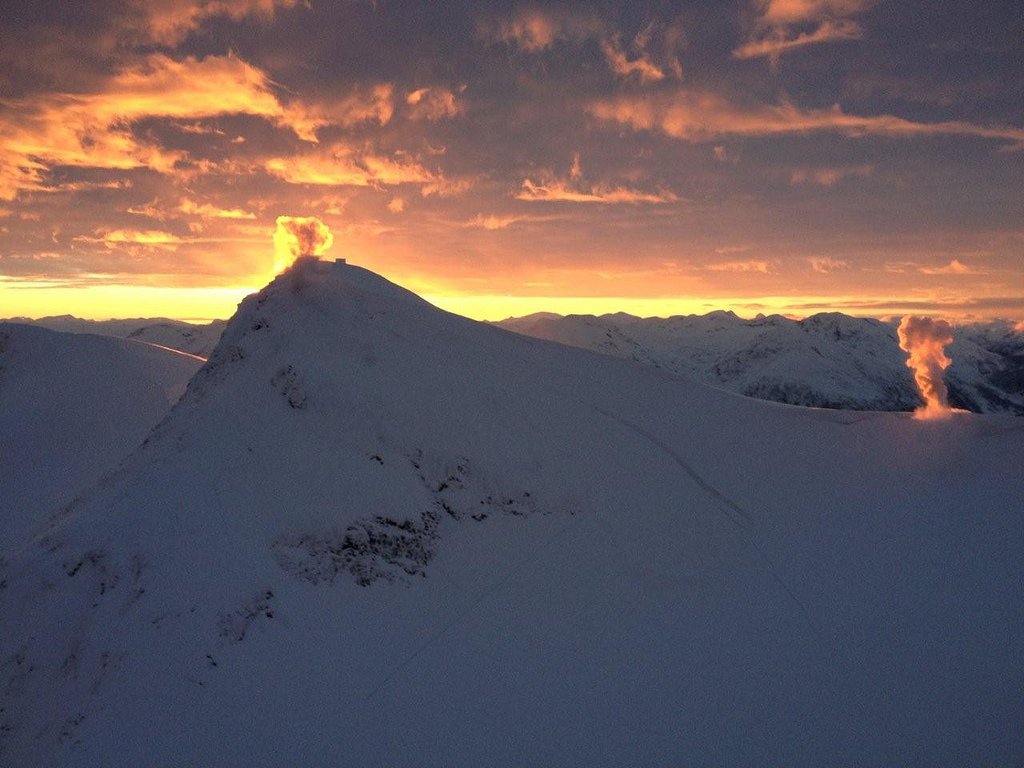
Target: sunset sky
653,157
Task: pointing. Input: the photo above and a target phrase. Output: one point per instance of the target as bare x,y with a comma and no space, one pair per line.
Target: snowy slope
827,360
196,339
376,534
71,407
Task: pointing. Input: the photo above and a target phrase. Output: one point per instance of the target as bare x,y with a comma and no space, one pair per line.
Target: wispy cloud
443,186
493,222
698,116
785,25
773,47
639,65
753,265
558,190
374,103
434,104
574,190
345,165
169,22
828,177
650,56
955,267
959,305
826,264
534,30
209,211
148,237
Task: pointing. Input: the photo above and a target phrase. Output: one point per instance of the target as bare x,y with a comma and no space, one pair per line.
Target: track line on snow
747,520
464,613
732,506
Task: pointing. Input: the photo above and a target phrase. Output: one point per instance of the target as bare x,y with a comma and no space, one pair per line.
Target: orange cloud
562,191
150,210
535,30
651,53
954,267
441,186
494,222
701,116
85,186
208,211
828,177
572,191
168,22
763,267
824,264
149,237
343,165
366,104
94,129
640,66
773,47
434,104
199,129
786,12
775,33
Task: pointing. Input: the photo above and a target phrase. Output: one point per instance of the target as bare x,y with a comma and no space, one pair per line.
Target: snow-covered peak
376,533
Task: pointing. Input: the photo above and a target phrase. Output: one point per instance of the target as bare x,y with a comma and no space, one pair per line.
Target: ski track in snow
731,506
745,526
467,611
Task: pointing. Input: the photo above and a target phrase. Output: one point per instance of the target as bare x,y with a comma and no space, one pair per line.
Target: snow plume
298,236
924,340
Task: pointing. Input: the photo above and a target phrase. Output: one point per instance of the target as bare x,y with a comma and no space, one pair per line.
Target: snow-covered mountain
195,338
827,360
373,533
71,407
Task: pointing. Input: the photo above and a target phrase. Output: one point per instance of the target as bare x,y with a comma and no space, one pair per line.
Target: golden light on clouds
702,116
554,157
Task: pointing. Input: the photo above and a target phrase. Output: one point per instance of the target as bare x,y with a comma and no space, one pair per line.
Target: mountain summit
375,533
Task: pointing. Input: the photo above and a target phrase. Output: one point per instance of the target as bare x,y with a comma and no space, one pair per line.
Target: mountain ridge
826,360
377,532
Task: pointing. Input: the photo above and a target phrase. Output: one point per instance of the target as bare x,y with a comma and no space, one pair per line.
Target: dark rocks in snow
391,549
289,384
234,626
369,550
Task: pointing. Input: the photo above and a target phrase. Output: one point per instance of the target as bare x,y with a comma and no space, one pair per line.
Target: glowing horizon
203,305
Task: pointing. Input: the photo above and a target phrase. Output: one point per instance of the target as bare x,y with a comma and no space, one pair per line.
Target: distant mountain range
828,360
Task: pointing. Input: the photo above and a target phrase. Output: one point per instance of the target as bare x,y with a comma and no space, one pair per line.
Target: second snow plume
298,236
924,340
